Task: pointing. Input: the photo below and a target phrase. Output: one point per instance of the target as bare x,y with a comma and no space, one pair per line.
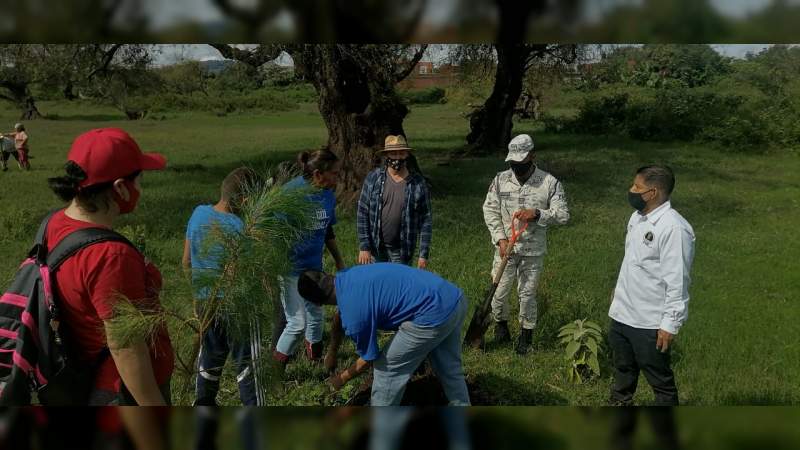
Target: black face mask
396,164
636,201
521,169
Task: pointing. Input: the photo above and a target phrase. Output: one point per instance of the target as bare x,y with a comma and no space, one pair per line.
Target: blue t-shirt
382,296
307,252
206,257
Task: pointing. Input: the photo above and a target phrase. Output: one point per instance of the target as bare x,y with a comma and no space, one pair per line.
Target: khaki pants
526,271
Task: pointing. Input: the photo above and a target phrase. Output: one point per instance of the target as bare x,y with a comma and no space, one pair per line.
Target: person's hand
335,381
663,340
503,247
526,215
422,263
364,257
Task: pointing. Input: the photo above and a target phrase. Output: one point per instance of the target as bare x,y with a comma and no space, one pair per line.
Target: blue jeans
301,317
390,254
214,351
389,423
409,347
207,427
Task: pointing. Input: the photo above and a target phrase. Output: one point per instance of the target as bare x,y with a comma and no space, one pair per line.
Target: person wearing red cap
103,181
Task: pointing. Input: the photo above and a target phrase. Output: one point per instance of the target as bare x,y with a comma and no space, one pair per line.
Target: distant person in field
528,194
425,310
103,181
21,150
394,210
201,257
320,170
651,298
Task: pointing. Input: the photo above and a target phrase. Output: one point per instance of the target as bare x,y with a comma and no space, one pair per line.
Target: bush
430,96
265,100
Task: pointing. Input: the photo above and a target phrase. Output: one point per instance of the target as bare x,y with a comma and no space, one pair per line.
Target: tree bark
22,97
491,124
358,111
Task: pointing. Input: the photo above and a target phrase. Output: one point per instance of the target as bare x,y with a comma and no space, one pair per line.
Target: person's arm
362,223
493,217
557,212
186,261
336,341
333,249
340,379
136,370
677,253
144,427
426,231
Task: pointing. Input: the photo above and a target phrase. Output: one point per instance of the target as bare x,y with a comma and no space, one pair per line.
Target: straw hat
393,143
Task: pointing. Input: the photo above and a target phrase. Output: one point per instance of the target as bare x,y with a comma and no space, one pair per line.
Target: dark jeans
635,350
207,422
214,351
661,418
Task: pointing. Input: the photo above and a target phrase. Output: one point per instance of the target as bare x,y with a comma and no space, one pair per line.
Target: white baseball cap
519,147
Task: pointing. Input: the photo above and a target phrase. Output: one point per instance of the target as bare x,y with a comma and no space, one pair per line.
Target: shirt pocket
646,254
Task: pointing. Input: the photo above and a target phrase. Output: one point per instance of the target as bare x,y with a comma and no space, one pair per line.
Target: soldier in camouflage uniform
530,194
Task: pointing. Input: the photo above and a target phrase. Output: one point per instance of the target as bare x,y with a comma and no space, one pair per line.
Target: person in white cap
528,194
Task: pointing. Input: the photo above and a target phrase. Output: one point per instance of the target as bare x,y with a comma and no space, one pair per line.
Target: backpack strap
78,240
41,232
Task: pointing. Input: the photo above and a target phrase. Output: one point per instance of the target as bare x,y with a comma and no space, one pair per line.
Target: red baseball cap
107,154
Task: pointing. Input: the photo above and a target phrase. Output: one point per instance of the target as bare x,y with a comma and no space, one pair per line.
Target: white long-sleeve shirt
653,286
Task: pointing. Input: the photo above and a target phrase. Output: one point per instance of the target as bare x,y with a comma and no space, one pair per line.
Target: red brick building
425,75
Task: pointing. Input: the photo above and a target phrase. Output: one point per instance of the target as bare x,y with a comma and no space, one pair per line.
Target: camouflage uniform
543,192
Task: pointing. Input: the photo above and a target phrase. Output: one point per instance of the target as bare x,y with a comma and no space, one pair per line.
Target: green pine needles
242,294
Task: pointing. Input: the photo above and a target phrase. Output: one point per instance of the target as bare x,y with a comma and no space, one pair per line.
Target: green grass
706,428
739,345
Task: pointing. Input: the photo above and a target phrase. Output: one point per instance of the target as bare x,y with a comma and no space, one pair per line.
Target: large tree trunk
358,113
491,124
24,99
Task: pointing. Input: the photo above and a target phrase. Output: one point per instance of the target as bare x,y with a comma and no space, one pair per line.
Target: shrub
428,96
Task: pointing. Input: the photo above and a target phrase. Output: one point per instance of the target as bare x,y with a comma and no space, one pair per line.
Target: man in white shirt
652,292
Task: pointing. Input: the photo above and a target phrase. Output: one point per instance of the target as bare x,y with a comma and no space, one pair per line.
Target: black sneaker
501,333
524,342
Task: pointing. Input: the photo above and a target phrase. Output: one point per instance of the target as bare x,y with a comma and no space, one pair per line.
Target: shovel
481,318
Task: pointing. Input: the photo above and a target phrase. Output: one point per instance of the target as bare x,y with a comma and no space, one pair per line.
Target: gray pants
526,271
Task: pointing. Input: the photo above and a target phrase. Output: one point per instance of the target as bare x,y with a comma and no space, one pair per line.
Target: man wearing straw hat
394,210
530,194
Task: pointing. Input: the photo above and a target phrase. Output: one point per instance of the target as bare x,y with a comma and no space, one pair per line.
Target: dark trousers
634,350
207,422
214,351
661,418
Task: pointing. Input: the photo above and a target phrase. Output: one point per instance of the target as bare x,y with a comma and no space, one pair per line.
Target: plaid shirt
416,221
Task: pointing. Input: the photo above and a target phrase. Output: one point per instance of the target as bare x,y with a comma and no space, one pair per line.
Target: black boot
501,333
524,342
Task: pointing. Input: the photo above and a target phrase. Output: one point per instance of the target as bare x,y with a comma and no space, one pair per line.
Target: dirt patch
424,389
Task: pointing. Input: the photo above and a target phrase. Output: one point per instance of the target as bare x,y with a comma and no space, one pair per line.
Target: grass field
740,344
553,428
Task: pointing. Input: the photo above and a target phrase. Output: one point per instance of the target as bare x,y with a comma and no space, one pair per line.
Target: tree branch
108,56
256,57
265,10
411,64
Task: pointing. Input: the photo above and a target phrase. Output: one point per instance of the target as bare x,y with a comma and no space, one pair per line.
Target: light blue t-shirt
382,296
205,260
307,252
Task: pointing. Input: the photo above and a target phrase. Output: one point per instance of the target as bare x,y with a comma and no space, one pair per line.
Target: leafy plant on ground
581,339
